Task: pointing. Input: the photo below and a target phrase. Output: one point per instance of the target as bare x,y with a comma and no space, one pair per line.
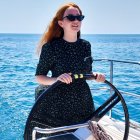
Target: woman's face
68,25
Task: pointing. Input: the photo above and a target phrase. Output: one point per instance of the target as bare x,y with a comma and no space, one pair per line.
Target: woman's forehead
71,10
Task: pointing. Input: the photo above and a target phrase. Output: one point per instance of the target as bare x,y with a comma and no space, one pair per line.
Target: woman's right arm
45,63
45,80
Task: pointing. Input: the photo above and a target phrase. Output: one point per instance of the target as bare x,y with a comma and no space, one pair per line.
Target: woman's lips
74,25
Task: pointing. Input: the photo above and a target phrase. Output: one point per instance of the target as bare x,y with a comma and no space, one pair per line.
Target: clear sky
101,16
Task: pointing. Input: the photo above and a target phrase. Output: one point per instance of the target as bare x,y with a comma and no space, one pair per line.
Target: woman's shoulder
85,42
48,46
55,43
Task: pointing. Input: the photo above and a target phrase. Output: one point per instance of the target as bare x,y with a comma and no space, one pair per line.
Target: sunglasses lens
80,18
73,18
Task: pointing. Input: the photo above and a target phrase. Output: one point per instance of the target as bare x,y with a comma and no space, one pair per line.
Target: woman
64,53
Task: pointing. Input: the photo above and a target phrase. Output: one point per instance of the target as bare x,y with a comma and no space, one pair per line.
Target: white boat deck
113,127
116,129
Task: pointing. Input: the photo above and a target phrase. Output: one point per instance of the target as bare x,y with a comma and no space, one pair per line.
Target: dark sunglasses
73,18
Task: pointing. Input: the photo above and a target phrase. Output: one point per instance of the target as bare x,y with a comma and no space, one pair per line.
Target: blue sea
17,82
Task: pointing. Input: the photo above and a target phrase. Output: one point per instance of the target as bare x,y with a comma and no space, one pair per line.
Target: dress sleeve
88,58
46,60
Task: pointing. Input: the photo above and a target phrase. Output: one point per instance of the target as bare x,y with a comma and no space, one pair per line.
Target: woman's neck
70,38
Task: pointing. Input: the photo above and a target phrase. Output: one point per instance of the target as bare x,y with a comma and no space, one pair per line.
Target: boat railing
56,130
111,61
53,130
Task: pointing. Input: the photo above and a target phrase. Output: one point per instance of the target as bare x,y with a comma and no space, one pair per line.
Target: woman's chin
75,29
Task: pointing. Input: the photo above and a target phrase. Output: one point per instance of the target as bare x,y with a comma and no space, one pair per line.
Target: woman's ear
60,22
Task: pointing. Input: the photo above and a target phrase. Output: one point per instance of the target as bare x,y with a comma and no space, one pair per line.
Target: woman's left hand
100,77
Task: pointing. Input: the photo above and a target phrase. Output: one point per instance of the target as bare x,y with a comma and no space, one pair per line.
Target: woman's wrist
45,80
50,80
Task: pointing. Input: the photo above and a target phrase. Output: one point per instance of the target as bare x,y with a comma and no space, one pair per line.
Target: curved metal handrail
111,74
122,61
111,71
127,93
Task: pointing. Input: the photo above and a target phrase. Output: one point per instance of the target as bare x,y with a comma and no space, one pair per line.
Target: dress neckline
70,43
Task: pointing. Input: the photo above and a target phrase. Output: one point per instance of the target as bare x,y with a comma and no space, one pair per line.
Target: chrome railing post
111,81
34,134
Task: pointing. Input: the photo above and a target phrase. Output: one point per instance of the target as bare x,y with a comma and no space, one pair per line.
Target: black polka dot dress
68,103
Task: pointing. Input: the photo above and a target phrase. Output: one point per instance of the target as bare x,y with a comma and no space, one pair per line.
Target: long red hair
54,31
